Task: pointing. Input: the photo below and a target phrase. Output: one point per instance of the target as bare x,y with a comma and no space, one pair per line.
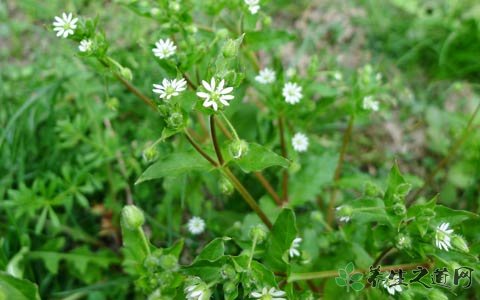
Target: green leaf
356,277
343,274
213,251
18,289
340,281
349,268
258,158
452,216
357,286
262,274
395,179
283,233
175,249
134,249
267,39
174,164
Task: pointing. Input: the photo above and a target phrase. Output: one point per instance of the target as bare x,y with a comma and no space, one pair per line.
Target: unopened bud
226,187
403,242
229,49
175,120
168,262
399,209
132,217
460,243
258,232
238,148
228,272
126,73
372,190
150,154
222,33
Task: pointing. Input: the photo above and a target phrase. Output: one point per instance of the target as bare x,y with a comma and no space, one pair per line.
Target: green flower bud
169,262
132,217
175,120
259,232
150,154
230,49
113,103
229,287
151,263
226,187
459,243
399,209
294,167
267,21
228,272
222,33
403,241
372,190
126,73
238,148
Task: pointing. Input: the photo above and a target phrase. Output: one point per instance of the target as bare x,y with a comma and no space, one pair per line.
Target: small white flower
164,48
266,76
292,92
197,290
196,225
65,25
393,285
344,219
300,142
370,104
269,294
443,236
85,46
293,251
337,76
170,88
290,72
253,6
215,95
344,213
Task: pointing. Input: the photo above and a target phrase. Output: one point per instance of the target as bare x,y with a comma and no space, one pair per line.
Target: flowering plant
241,174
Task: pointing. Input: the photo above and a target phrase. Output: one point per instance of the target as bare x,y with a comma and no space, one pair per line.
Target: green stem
283,146
246,196
334,273
232,129
254,244
144,239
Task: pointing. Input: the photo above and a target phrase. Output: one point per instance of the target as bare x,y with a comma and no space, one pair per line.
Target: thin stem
283,146
451,153
213,135
334,273
246,196
232,129
144,239
200,150
336,177
268,187
382,255
254,244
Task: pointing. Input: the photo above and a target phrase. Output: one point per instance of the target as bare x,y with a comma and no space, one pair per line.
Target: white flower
370,104
253,6
269,294
443,236
300,142
293,251
392,284
170,88
344,213
85,46
337,76
197,290
292,92
215,95
164,48
196,225
65,25
266,76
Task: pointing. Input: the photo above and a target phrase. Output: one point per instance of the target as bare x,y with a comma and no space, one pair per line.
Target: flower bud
229,49
259,232
460,243
113,103
151,263
372,190
403,242
399,209
267,21
132,217
126,73
175,120
222,33
168,262
344,213
228,272
238,148
150,154
226,187
229,287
